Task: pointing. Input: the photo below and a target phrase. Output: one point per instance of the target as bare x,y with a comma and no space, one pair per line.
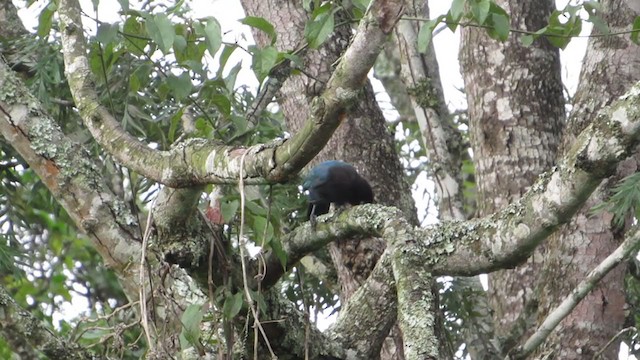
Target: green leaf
317,31
295,59
457,9
600,24
227,50
527,40
45,19
179,44
161,31
425,34
263,231
229,209
230,80
222,103
558,41
624,201
278,250
135,34
261,24
480,10
556,31
576,27
500,26
255,208
592,6
176,8
213,35
451,24
306,5
124,4
191,320
232,305
240,126
263,61
176,120
204,128
140,77
107,33
180,85
636,30
362,5
94,334
259,300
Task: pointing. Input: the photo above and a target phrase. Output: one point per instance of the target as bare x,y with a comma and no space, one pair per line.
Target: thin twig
77,335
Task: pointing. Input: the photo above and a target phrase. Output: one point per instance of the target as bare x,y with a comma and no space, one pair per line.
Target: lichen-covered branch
420,73
416,314
284,324
304,240
66,168
368,315
508,237
504,239
199,161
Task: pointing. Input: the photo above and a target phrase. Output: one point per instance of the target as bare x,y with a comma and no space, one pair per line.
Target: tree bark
516,112
590,237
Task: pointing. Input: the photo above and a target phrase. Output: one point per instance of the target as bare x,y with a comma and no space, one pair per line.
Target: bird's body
335,182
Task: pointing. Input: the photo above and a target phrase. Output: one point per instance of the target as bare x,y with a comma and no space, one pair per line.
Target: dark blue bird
335,182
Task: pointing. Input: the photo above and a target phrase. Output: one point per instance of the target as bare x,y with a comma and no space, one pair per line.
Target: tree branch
70,174
479,246
66,168
445,151
552,200
355,328
199,161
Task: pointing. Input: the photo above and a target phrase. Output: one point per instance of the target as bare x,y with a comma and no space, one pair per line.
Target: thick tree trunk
590,237
516,111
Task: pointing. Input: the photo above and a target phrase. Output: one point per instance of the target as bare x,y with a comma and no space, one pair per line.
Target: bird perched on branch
335,182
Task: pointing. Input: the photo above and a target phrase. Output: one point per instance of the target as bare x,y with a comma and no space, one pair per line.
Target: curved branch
480,246
355,328
486,245
66,168
69,172
199,161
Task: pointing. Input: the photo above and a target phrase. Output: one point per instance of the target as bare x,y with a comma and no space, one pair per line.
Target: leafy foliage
564,24
150,95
